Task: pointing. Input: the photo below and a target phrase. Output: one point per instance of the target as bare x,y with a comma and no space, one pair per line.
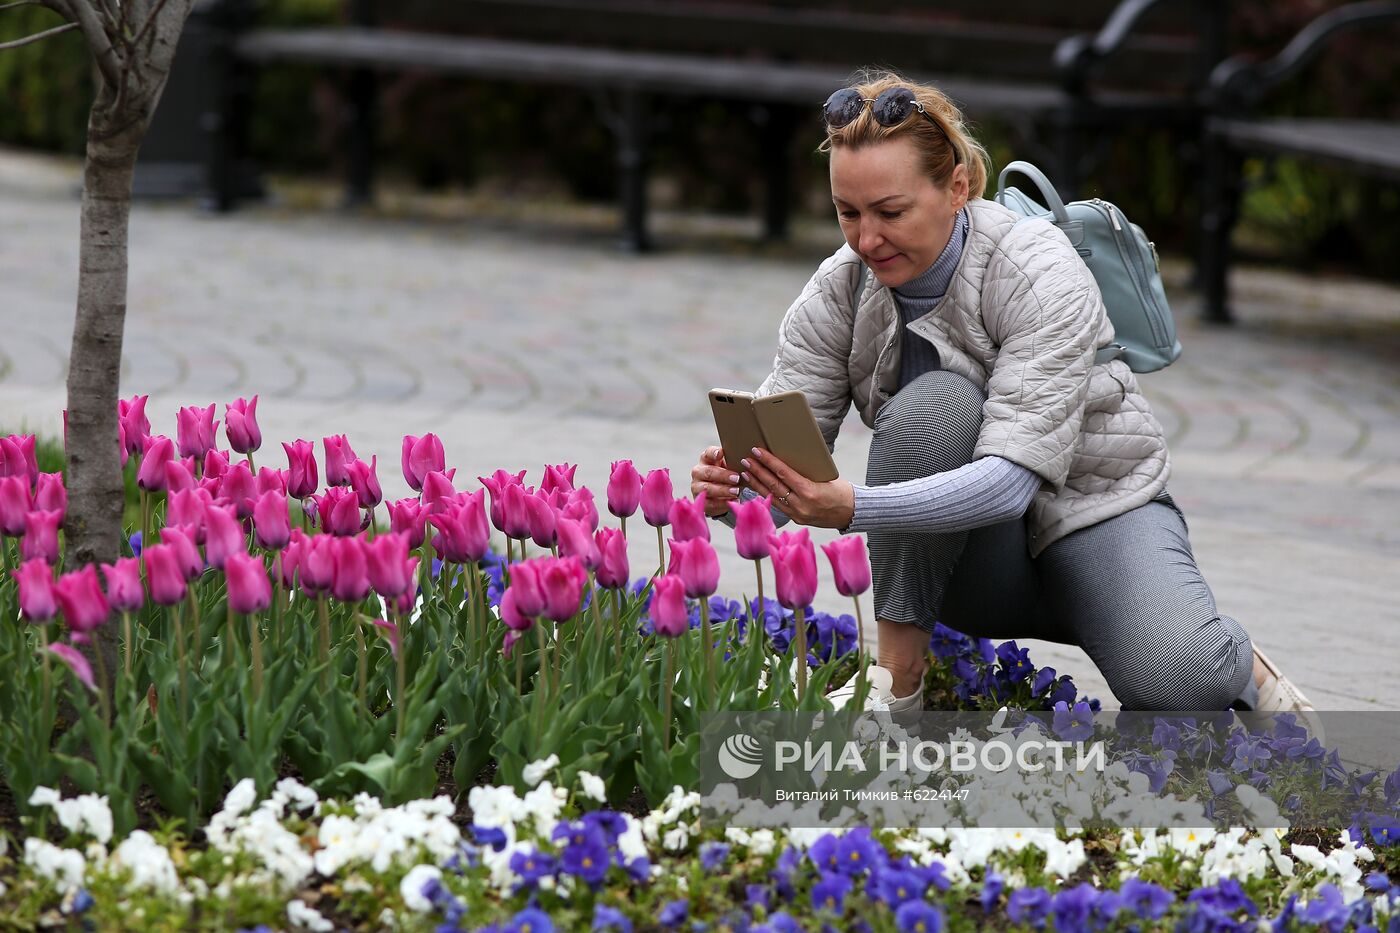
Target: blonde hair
936,145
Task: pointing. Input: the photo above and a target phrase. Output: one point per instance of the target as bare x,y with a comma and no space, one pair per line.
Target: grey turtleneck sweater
985,492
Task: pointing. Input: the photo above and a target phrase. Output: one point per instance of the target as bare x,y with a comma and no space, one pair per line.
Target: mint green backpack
1123,261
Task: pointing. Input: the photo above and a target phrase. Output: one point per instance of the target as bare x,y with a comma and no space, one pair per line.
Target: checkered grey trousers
1126,590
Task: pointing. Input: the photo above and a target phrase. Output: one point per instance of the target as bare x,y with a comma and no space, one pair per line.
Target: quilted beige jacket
1022,319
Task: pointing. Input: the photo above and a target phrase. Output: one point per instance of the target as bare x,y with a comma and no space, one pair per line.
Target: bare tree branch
16,43
95,27
11,6
150,21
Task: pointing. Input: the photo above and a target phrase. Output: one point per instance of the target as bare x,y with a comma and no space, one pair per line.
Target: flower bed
266,626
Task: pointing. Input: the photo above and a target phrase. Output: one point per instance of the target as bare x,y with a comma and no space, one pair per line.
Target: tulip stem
183,660
623,520
860,640
758,569
104,684
617,624
361,666
510,552
255,640
401,679
277,601
145,522
251,467
801,633
666,696
707,642
230,618
126,642
369,534
46,705
541,680
660,552
558,644
324,612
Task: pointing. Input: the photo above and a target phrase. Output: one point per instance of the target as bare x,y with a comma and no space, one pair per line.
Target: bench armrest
1077,56
1238,83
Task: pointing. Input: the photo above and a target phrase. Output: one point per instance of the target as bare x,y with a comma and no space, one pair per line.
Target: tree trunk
95,492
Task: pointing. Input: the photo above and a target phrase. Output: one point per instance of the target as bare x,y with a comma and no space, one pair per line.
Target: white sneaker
1278,694
881,695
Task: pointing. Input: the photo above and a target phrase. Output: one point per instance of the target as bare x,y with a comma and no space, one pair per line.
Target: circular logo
741,756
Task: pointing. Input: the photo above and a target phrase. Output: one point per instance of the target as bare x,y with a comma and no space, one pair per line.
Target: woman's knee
1205,670
930,426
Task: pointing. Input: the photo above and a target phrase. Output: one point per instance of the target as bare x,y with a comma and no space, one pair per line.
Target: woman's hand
716,480
821,505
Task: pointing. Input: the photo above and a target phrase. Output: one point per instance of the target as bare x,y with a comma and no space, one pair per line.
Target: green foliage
46,86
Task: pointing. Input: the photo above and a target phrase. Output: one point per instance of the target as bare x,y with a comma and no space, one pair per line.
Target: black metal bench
1086,68
1367,147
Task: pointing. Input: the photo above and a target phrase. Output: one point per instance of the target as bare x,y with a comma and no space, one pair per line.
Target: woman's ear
960,186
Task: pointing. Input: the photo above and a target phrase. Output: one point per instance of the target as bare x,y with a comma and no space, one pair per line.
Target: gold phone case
791,430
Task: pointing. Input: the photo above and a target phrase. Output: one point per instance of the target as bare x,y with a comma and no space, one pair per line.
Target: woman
1015,487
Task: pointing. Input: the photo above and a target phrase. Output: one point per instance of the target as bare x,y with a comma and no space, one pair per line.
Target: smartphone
781,423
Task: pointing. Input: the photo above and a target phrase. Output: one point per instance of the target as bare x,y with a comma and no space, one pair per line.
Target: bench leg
223,120
776,125
631,131
1220,194
361,133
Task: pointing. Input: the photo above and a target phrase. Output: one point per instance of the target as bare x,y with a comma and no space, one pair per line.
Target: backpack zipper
1138,275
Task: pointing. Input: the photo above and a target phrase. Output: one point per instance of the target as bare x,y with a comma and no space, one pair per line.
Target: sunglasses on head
890,108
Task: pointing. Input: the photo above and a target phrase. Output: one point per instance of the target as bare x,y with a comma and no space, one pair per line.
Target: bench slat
550,64
1368,146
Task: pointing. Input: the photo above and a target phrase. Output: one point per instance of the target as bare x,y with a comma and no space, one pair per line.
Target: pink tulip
270,479
795,572
697,564
15,503
223,535
195,427
529,592
437,492
421,456
339,511
391,632
656,498
339,455
612,570
543,520
558,499
50,494
188,507
316,571
74,660
350,583
582,509
302,477
464,536
517,515
40,536
80,599
559,477
850,564
249,589
156,453
624,489
135,427
753,526
164,574
272,522
511,615
576,541
391,571
687,517
562,580
239,489
241,425
124,590
789,538
409,517
178,476
36,597
497,483
364,479
289,558
215,463
184,539
19,457
669,616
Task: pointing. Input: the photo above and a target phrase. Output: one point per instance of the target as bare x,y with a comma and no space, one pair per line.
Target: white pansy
592,786
241,798
536,771
1063,859
148,862
296,793
45,797
762,842
64,867
411,887
676,838
84,815
303,916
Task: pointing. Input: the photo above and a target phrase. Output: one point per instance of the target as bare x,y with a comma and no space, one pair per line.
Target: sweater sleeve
984,492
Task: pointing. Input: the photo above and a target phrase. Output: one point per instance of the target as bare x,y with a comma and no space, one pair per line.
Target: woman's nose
870,237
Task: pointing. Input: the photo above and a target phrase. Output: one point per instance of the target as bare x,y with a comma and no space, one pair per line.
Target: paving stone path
531,343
